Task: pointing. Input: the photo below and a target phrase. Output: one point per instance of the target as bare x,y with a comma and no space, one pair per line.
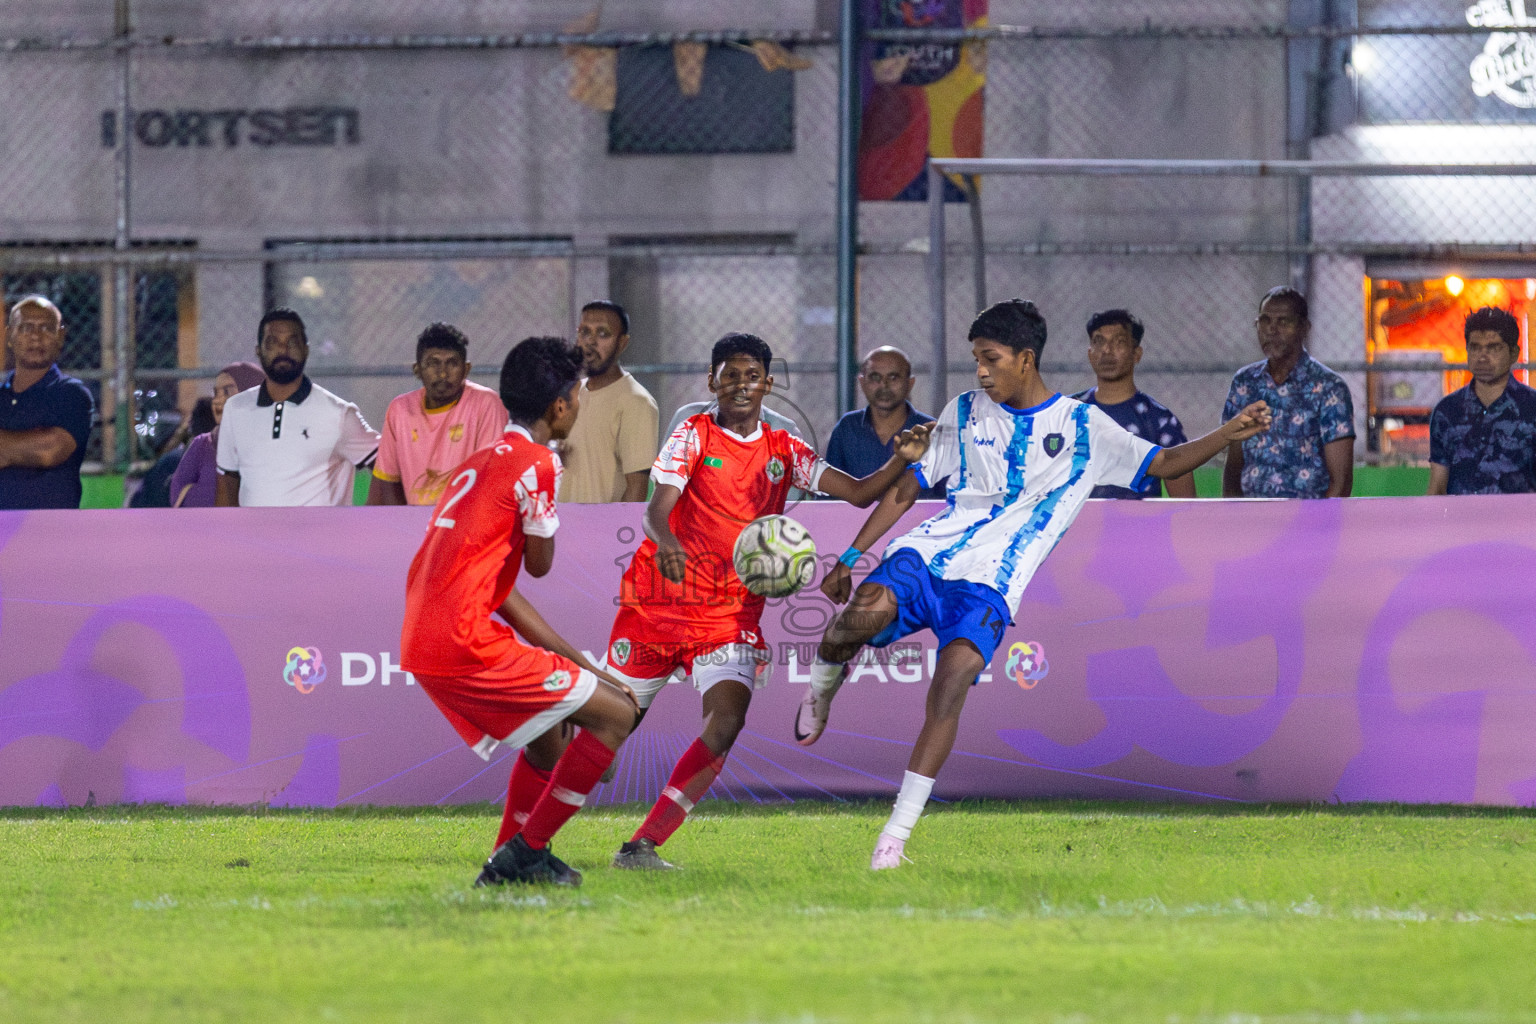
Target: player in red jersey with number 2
682,607
496,517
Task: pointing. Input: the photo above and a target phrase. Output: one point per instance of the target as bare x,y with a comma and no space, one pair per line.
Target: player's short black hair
443,336
609,306
1013,322
1285,291
281,314
1122,317
740,344
1492,318
535,373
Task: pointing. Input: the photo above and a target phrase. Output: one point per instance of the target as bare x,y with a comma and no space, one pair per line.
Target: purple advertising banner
1373,649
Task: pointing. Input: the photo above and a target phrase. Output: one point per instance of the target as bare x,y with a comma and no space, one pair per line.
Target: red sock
578,770
524,788
696,771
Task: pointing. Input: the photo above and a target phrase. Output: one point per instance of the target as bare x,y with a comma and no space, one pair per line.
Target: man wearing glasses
862,441
45,417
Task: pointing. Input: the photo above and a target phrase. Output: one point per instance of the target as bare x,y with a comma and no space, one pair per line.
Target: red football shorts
514,701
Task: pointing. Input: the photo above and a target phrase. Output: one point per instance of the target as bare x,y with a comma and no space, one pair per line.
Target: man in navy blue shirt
862,441
1114,349
45,417
1482,438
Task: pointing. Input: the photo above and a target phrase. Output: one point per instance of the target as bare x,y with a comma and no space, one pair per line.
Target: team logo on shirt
1053,444
304,669
775,469
619,652
456,432
557,680
1026,664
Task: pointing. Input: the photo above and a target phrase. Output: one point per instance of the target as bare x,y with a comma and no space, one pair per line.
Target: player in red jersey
497,516
682,606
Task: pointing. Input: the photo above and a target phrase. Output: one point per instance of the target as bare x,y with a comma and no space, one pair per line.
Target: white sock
826,676
909,805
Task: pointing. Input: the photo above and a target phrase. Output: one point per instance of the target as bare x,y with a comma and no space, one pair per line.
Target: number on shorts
468,477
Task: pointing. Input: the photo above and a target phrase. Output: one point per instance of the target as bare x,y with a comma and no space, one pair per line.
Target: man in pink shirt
429,431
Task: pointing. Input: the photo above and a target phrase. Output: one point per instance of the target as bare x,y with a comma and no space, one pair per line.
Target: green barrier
109,490
106,490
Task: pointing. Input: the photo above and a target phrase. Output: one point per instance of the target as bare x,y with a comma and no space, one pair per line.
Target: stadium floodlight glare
970,170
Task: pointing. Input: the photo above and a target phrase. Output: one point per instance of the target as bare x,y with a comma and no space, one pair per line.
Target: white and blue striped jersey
1017,478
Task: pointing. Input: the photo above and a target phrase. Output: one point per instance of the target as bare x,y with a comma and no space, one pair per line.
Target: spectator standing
609,453
1309,451
195,482
45,417
1114,350
1482,438
429,431
864,439
289,441
155,488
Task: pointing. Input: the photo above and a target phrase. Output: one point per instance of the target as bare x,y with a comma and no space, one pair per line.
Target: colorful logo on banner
304,669
1026,664
1507,66
921,99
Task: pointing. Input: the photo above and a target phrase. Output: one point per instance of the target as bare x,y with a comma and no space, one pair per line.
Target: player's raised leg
871,610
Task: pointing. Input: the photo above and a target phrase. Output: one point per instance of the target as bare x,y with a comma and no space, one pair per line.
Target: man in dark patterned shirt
1114,349
1482,438
1309,451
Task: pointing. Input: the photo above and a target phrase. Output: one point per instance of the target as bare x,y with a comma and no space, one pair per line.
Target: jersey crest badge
1053,444
775,469
620,652
456,432
557,680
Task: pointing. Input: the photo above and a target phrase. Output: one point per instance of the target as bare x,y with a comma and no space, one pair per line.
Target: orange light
1454,284
1530,288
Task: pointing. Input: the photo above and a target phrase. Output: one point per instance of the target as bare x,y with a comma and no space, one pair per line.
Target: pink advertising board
1364,650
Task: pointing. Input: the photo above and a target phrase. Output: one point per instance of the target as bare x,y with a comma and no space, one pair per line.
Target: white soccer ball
775,556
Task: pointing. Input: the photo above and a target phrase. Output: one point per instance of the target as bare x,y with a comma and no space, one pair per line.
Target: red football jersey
727,481
472,554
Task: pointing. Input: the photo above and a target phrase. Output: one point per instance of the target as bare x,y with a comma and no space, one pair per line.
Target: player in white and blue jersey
1019,460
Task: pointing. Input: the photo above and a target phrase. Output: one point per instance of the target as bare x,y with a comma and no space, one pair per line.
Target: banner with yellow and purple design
919,99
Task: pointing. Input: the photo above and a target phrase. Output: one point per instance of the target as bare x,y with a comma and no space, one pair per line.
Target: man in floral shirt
1482,438
1309,451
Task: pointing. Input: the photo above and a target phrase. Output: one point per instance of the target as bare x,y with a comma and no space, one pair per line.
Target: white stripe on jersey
1017,478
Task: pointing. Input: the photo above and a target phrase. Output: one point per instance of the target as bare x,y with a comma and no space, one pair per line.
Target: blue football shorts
952,609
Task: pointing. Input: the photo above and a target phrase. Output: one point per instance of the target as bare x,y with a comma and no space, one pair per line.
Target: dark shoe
641,855
516,861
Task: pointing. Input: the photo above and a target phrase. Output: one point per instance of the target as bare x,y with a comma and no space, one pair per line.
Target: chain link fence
495,166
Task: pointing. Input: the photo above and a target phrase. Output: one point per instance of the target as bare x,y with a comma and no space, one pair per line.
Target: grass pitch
1049,912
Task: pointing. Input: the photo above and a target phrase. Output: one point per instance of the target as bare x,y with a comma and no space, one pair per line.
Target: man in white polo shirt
289,441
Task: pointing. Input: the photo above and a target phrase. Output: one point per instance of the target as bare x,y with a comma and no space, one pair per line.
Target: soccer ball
775,556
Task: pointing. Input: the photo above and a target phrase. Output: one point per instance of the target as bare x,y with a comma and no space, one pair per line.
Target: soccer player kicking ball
496,517
1020,461
682,607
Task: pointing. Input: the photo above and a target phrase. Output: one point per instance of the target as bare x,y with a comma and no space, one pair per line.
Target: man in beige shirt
609,452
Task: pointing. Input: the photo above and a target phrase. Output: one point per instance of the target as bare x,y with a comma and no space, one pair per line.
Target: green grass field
1039,912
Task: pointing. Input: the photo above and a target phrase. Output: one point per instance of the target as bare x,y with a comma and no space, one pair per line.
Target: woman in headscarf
196,480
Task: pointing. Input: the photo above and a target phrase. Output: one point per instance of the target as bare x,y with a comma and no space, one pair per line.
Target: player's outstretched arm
1181,459
838,584
911,445
670,556
522,616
